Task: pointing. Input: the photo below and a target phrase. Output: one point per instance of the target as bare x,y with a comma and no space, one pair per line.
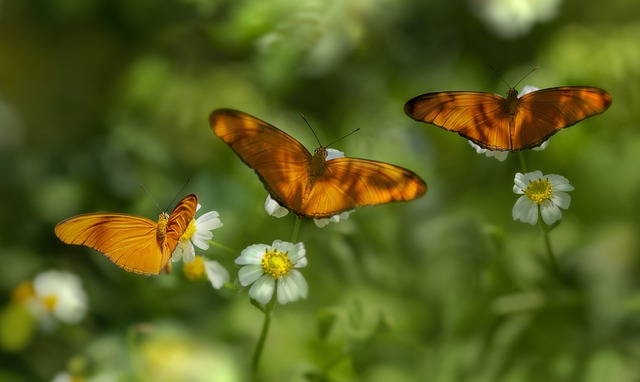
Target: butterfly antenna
179,192
527,75
499,76
151,197
343,137
313,131
317,139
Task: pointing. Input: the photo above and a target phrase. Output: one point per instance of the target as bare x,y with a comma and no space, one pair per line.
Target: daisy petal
252,254
216,273
550,212
262,289
249,274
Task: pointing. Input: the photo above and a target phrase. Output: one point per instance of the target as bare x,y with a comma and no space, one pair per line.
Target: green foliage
99,97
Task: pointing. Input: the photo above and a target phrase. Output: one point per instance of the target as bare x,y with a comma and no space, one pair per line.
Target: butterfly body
512,123
133,243
310,185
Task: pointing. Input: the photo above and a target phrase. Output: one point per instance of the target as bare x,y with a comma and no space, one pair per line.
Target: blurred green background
100,97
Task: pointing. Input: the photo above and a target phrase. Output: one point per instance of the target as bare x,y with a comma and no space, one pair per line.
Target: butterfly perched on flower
308,184
512,123
133,243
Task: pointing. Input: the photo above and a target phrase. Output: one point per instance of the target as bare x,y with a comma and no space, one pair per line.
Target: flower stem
296,229
545,229
223,247
523,162
268,310
547,243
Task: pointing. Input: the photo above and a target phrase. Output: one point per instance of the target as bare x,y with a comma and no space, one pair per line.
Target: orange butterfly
512,123
133,243
309,185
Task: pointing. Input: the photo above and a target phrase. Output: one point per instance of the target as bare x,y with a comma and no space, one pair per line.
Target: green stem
545,230
547,243
223,247
523,162
296,229
263,335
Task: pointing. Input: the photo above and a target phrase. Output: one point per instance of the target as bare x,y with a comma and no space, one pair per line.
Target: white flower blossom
544,193
273,267
198,233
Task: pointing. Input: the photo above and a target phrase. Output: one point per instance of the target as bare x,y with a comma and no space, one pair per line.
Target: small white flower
214,271
333,154
333,219
527,89
499,155
546,193
63,376
273,208
56,294
266,266
514,18
198,233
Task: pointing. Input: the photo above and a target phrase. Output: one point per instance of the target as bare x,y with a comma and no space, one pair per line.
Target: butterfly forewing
477,116
131,242
496,123
306,184
279,160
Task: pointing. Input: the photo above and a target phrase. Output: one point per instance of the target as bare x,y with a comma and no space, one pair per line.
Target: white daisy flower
333,154
333,219
54,295
273,267
546,193
499,155
198,233
213,270
273,208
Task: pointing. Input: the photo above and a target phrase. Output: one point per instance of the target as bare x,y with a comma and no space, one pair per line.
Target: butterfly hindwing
351,182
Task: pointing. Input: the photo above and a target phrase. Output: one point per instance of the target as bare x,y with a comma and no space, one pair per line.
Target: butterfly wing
131,242
477,116
348,183
280,160
544,112
512,124
177,224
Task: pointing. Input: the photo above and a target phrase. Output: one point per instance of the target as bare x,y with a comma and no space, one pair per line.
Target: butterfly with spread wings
308,184
133,243
508,124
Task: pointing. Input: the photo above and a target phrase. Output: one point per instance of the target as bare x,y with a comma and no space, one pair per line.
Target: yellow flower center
276,263
195,269
23,292
191,229
50,302
538,191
